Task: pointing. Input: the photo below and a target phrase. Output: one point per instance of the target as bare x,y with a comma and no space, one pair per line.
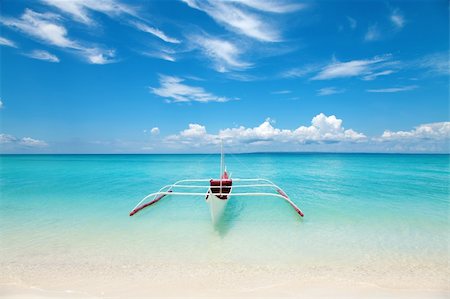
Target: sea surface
386,213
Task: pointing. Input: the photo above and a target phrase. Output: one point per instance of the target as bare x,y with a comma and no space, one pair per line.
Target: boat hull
216,206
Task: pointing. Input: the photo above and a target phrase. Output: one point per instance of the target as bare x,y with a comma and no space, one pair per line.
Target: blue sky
88,76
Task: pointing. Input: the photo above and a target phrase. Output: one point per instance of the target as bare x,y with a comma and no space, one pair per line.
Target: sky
116,76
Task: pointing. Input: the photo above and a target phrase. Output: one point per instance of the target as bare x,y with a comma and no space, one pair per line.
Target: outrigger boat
217,192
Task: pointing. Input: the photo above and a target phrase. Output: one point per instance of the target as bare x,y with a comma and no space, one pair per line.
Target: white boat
217,192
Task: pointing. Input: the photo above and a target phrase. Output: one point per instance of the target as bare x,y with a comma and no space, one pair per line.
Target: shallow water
387,211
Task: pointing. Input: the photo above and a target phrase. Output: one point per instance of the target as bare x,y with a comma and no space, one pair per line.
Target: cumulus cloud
353,68
43,55
238,19
194,136
323,129
1,104
194,131
432,131
428,138
6,139
326,91
324,133
327,128
27,141
224,54
47,28
154,131
174,89
99,56
393,89
6,42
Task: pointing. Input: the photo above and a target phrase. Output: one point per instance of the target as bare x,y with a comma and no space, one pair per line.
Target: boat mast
221,158
221,165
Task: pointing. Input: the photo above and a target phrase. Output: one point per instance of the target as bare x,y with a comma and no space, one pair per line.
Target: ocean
381,219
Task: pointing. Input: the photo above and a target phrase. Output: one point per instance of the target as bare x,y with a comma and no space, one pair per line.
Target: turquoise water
360,209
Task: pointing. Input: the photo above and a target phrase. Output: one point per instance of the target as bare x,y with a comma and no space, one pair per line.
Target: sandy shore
275,291
311,292
219,281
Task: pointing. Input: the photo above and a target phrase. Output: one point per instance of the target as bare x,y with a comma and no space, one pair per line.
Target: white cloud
99,56
371,69
244,77
46,27
237,19
160,55
393,89
433,131
263,132
299,72
154,131
378,74
281,92
1,104
224,54
436,63
30,142
194,136
352,22
165,56
326,91
43,55
397,19
351,68
323,129
172,88
7,42
372,33
7,139
327,128
272,6
79,10
195,130
156,32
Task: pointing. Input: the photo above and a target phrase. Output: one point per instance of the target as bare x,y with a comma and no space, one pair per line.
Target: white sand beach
73,280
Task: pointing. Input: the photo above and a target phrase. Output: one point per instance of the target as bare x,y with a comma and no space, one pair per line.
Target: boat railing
169,190
179,184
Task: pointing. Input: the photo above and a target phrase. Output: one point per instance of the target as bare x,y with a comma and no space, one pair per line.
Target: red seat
226,186
227,182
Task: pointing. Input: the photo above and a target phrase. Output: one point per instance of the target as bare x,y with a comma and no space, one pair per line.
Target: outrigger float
217,192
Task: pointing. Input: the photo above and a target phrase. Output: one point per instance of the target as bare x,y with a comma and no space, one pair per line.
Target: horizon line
232,153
